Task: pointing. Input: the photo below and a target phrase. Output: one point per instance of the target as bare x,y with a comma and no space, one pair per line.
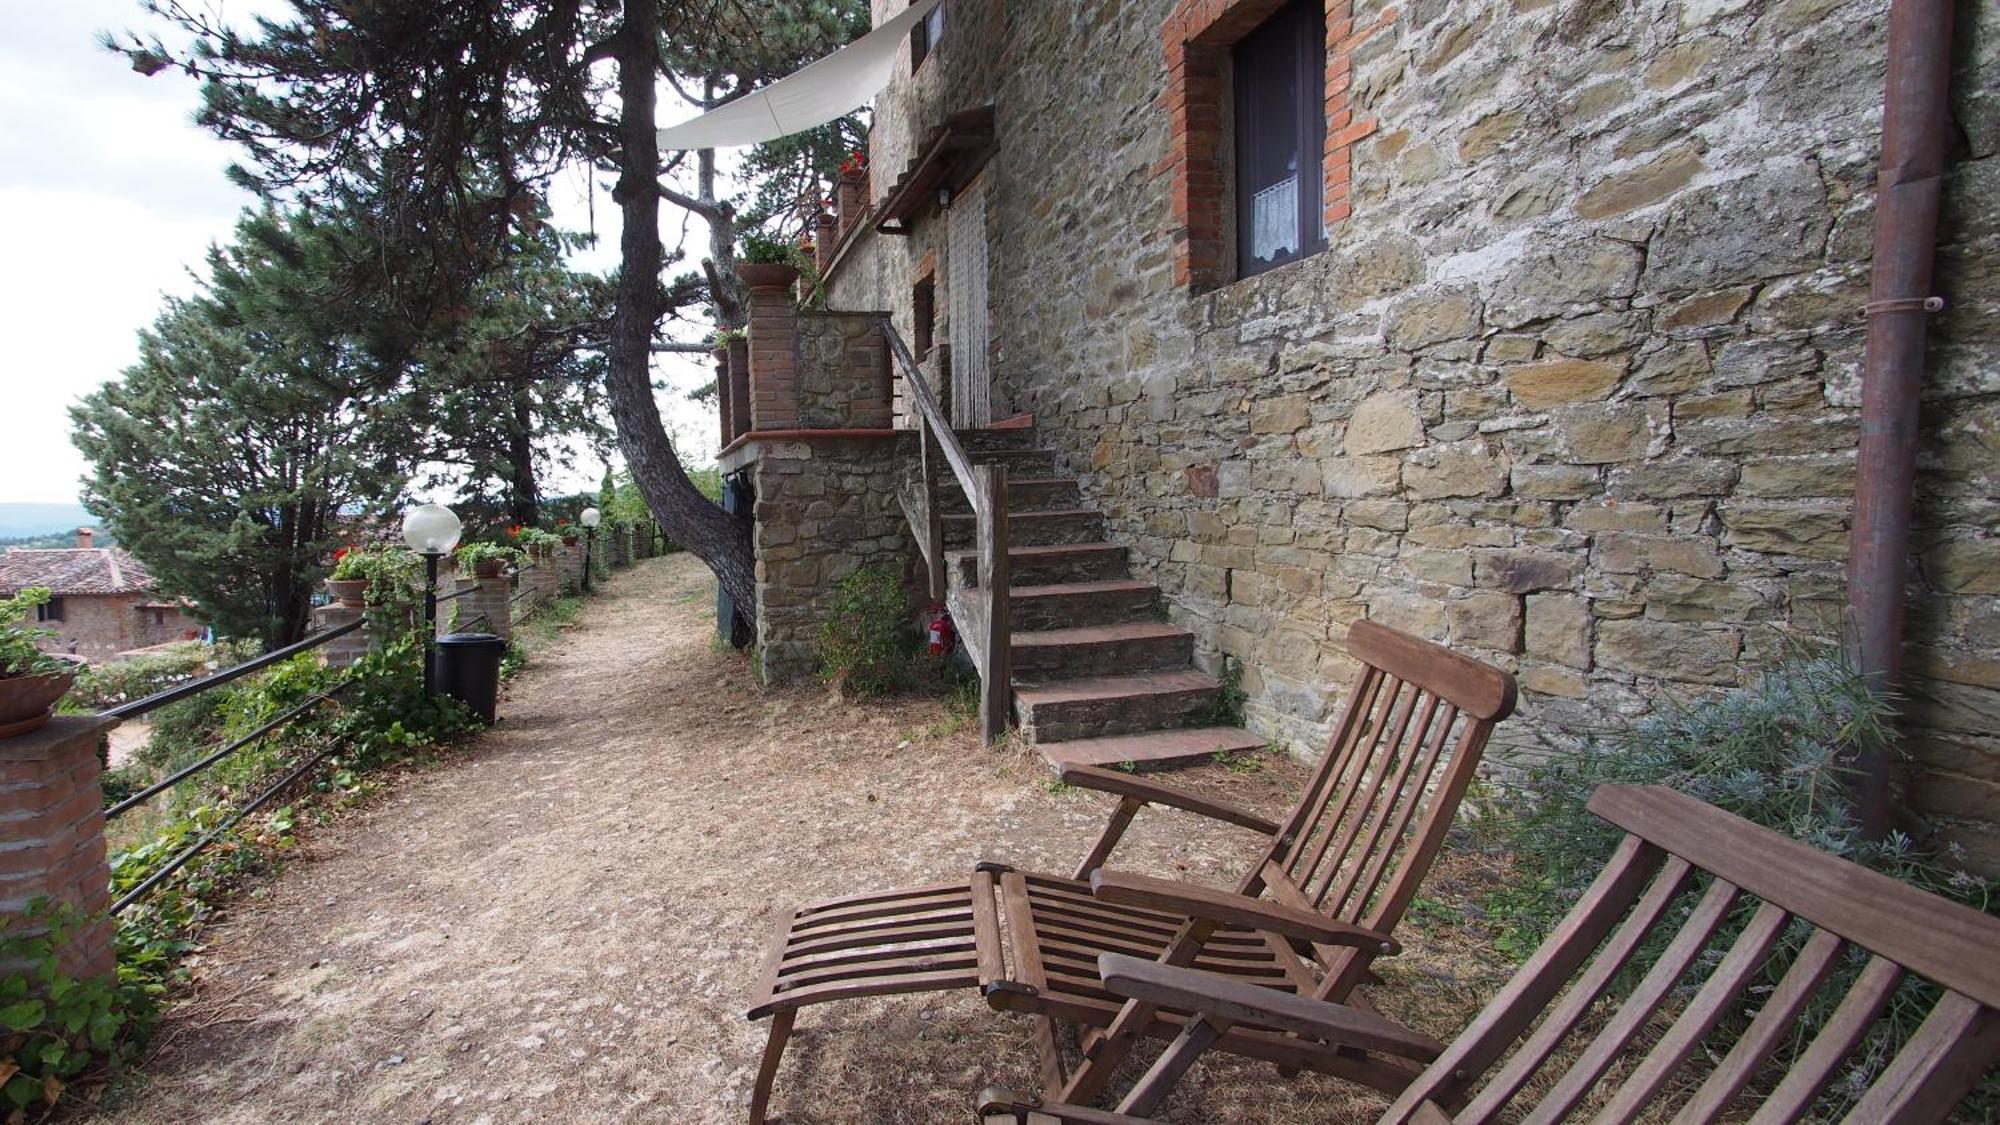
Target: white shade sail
830,88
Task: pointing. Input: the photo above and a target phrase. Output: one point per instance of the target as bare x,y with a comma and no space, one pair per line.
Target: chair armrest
995,1101
1191,990
1153,793
1232,909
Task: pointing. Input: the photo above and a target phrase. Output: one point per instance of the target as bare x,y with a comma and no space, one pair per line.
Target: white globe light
591,517
431,529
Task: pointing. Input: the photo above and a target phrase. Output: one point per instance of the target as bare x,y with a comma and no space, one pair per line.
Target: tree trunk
524,500
691,519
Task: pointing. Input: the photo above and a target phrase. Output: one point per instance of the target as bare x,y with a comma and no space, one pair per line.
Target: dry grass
566,922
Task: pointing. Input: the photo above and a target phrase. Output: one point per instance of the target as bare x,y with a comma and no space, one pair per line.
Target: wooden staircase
1100,676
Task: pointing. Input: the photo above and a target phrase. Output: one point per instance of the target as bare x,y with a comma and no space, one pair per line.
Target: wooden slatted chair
1541,1051
1319,904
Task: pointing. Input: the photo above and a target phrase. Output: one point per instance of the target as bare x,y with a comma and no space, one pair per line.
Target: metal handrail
195,687
166,783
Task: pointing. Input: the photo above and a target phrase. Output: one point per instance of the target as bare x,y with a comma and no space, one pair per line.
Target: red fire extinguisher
939,635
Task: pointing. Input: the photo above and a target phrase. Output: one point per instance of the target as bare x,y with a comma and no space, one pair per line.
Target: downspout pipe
1916,105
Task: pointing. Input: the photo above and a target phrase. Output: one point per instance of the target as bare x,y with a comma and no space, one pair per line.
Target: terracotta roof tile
91,570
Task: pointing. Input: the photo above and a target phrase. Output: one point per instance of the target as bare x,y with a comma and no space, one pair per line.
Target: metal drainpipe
1914,115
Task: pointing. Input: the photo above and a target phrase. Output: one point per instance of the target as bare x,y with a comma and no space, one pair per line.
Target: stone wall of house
825,508
842,372
1575,387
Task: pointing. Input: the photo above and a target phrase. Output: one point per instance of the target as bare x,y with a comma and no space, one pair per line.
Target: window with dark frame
923,312
1280,119
51,610
925,37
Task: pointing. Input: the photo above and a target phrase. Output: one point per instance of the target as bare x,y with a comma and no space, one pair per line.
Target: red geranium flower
339,554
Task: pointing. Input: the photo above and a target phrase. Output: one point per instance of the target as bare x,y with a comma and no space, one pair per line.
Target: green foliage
760,249
866,641
1773,754
472,554
1226,710
107,685
18,654
55,1027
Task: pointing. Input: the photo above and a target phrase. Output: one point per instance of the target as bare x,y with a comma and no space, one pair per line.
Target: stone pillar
52,843
341,652
774,399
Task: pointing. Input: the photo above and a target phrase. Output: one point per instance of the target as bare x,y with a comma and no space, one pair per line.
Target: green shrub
19,655
866,640
55,1027
109,685
1774,755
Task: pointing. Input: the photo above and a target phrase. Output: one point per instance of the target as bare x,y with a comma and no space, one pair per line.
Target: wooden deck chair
1317,906
1552,1045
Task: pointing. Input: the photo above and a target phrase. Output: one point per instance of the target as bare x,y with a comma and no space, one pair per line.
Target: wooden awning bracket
952,156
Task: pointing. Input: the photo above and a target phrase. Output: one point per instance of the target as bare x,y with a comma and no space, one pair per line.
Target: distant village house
102,602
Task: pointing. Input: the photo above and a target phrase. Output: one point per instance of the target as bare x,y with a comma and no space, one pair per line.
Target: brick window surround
1198,37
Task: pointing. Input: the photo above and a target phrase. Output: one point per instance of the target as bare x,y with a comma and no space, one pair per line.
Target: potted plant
30,680
349,581
487,560
567,532
767,262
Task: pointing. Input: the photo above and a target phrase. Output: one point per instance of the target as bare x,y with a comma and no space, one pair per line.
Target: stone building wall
1573,388
100,626
826,507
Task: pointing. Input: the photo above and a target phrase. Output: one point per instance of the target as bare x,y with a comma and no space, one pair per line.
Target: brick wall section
1197,38
489,608
52,835
774,400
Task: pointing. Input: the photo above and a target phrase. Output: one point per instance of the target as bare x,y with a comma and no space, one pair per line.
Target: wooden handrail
932,415
990,635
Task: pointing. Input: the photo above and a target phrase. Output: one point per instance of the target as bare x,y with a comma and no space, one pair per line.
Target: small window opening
1280,98
924,39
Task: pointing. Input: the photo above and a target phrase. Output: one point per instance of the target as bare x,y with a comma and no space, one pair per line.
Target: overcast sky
109,195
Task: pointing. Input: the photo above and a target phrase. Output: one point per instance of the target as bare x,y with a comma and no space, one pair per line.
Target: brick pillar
722,399
569,567
452,612
492,601
621,547
548,583
341,652
774,398
850,199
52,842
826,239
738,387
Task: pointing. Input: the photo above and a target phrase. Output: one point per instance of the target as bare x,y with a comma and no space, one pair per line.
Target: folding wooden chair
1310,915
1541,1050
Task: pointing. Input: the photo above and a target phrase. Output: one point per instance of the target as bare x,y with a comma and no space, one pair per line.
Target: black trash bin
468,670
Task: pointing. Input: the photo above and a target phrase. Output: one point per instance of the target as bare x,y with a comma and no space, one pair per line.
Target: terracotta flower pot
759,275
350,592
26,702
569,540
488,568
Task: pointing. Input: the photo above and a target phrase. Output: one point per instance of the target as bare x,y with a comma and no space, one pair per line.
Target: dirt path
565,921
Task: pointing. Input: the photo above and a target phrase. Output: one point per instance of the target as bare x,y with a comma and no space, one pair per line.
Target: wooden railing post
928,456
996,692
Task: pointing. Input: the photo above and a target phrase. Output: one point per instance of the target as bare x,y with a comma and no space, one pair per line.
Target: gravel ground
565,920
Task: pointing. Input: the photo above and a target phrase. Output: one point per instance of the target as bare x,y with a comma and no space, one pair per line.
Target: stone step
1097,706
1043,655
1019,462
1026,494
1031,529
1152,749
1068,604
1005,437
1041,566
